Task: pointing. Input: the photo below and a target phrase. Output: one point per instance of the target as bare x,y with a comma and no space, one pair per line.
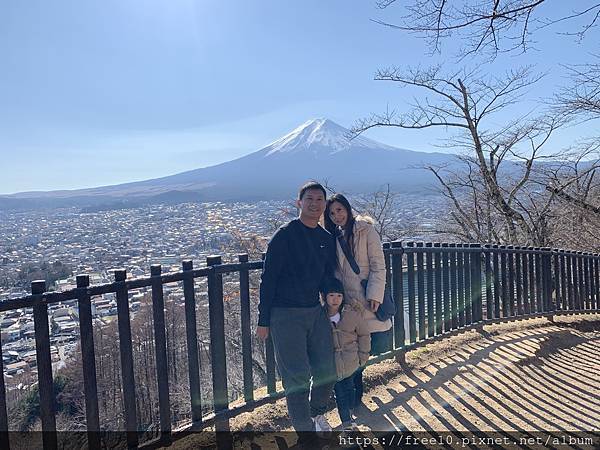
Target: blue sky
101,92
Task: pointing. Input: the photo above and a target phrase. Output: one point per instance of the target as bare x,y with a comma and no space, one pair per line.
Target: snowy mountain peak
322,136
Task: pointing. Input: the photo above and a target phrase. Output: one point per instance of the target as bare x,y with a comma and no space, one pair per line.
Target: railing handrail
50,297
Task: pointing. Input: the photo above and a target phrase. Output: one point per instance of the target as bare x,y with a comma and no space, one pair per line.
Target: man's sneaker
321,424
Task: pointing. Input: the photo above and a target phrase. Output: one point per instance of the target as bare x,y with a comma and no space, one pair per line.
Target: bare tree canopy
511,186
582,96
499,192
490,26
453,105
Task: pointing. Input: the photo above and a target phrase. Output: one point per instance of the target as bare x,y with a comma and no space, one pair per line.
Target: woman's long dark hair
332,227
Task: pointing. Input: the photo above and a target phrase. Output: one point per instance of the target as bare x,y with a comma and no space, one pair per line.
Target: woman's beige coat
368,254
351,341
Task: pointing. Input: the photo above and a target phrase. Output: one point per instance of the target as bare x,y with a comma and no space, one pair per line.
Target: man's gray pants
303,347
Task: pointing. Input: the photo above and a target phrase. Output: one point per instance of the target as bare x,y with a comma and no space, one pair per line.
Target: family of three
320,291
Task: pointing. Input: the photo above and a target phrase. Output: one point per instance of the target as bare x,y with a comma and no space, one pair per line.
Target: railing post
558,281
538,281
468,287
460,267
88,362
476,282
388,285
191,335
590,277
592,258
398,295
596,282
44,366
446,287
217,348
439,324
246,329
592,281
511,279
489,308
525,279
430,307
410,261
453,288
547,279
160,345
577,269
504,280
519,279
564,283
570,280
126,351
530,309
587,290
421,290
497,285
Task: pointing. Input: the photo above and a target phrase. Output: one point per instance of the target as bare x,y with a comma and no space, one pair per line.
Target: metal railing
441,287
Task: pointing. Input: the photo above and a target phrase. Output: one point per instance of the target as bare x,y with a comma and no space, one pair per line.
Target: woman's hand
374,305
262,332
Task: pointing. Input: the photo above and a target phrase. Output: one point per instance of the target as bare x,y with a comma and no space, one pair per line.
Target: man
299,259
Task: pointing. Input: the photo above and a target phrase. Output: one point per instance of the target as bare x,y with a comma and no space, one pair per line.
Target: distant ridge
318,149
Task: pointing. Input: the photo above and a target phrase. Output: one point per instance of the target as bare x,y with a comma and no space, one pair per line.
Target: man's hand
262,332
374,305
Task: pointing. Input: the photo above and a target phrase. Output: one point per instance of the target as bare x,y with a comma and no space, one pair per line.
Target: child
351,343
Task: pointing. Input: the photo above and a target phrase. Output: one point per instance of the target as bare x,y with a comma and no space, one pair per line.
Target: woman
359,237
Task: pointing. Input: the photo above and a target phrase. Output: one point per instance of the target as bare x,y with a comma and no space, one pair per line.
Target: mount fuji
318,149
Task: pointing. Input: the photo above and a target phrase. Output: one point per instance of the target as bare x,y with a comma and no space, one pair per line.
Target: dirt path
531,375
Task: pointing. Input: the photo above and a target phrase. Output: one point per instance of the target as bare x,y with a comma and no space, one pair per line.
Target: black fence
439,288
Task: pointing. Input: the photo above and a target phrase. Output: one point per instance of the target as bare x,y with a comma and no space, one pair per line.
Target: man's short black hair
311,185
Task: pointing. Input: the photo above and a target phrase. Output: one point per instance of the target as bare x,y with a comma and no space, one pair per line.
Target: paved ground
532,382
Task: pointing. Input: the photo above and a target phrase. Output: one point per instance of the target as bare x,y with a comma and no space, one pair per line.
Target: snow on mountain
318,136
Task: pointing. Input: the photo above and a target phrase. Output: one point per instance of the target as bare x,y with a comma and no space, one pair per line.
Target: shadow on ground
526,384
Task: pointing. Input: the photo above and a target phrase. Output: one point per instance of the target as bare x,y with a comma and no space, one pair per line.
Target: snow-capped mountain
318,149
321,137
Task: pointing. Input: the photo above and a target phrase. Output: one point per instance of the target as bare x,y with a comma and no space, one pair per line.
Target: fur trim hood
363,222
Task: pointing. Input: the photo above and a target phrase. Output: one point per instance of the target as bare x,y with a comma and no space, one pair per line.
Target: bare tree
486,193
465,102
577,188
489,26
381,206
582,97
283,215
